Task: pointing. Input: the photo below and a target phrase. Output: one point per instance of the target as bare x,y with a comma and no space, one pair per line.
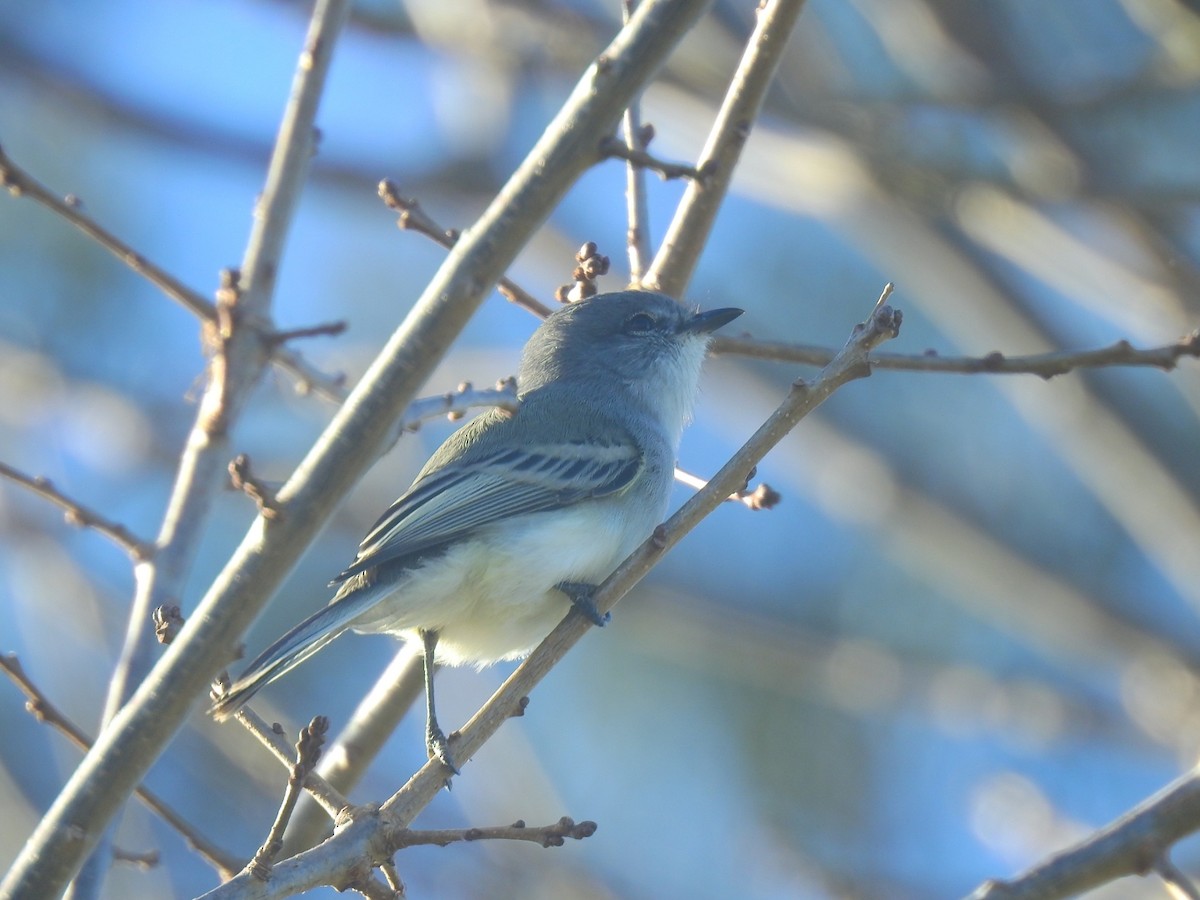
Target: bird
520,515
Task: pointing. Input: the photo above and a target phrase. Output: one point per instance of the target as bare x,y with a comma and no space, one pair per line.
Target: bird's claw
583,598
438,747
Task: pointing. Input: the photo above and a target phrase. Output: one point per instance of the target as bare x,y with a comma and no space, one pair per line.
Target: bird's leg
582,595
436,744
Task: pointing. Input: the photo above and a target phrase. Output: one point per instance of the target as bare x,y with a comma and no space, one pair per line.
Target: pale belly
493,597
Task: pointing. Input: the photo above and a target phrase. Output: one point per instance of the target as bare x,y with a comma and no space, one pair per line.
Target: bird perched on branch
518,515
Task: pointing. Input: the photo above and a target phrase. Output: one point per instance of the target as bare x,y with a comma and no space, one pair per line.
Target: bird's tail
292,649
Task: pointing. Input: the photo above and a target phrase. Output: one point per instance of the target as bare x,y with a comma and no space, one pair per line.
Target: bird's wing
487,484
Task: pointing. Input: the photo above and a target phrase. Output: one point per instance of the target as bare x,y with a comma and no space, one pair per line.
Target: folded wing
487,487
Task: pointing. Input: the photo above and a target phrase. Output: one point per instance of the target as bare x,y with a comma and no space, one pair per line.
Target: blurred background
966,637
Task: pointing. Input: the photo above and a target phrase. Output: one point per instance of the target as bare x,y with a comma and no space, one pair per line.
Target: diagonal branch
40,707
78,514
637,204
688,233
20,183
1132,845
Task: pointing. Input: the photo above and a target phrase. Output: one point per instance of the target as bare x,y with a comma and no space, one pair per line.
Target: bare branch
328,329
40,707
308,751
1134,844
637,207
255,488
1046,365
21,184
144,860
371,724
80,515
455,404
413,218
762,496
639,158
688,233
1179,886
271,737
545,835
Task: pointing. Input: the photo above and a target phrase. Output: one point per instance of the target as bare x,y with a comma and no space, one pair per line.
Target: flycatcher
518,514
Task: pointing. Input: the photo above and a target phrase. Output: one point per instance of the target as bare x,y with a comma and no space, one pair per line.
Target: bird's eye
640,323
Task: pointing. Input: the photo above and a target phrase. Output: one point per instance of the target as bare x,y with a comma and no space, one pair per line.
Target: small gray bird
518,513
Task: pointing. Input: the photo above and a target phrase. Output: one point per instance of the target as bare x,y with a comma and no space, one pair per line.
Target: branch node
659,535
308,751
228,294
273,339
992,361
612,147
167,620
144,860
244,480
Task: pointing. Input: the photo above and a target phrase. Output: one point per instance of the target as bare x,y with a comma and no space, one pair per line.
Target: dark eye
640,323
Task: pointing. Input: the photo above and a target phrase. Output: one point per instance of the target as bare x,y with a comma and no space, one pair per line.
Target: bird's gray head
638,347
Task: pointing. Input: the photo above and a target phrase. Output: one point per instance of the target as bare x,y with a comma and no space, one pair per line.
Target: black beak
710,320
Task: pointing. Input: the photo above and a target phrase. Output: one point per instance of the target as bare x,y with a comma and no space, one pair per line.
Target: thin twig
80,515
20,183
369,727
40,707
1179,886
308,751
455,404
762,496
144,860
544,835
414,218
326,329
331,799
244,480
1045,365
641,159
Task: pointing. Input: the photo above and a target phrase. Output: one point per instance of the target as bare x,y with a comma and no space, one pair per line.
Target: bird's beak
710,320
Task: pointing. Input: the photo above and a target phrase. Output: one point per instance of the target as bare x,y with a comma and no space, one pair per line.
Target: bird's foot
582,596
438,747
